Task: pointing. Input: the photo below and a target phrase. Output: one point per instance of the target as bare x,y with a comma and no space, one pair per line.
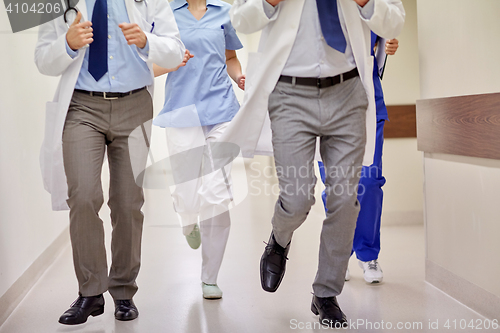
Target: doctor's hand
134,34
79,34
361,3
391,46
241,82
274,2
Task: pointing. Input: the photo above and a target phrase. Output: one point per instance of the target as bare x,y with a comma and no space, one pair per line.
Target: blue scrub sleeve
232,40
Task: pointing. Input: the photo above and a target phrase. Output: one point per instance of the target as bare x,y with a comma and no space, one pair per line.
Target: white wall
403,191
462,214
27,224
459,47
459,51
401,77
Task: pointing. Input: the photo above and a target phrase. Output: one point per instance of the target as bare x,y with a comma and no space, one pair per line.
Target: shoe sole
126,318
212,297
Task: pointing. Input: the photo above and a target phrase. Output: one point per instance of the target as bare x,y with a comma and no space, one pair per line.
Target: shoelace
125,303
270,247
78,302
325,300
373,265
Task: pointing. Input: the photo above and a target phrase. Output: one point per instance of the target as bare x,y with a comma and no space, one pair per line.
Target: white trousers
202,191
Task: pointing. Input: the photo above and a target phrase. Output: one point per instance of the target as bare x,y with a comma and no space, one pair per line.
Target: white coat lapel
133,13
354,27
82,7
278,43
141,12
359,36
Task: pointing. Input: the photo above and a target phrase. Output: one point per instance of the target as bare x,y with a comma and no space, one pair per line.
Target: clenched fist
391,46
133,34
79,34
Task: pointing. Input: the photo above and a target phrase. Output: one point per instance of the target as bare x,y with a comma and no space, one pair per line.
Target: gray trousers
300,114
93,125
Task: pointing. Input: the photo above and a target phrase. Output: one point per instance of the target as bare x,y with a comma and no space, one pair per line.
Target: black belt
320,83
109,95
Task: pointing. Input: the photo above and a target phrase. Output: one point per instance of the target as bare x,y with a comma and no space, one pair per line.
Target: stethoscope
70,9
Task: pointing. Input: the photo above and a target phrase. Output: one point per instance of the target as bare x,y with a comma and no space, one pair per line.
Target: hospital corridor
430,122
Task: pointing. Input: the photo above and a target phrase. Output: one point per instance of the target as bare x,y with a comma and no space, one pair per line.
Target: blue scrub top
201,93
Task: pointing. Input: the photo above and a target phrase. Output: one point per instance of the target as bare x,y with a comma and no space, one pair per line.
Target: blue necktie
98,50
330,24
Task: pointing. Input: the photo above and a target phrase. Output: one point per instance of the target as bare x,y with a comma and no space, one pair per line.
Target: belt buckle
109,98
318,83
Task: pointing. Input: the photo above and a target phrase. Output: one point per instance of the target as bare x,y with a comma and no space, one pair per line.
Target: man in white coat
313,74
104,94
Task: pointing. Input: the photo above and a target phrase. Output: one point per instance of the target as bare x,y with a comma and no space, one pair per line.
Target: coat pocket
146,26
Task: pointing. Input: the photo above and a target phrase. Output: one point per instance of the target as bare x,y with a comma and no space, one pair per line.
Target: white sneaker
372,272
211,291
347,275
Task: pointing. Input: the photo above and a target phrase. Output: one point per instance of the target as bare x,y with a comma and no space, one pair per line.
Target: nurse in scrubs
199,103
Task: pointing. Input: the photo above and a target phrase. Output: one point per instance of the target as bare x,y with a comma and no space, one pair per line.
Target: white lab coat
51,57
250,128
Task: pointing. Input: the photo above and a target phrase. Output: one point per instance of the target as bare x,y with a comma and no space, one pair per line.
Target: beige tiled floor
169,297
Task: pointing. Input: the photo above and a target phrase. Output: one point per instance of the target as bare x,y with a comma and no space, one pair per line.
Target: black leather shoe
273,264
329,312
125,309
82,308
